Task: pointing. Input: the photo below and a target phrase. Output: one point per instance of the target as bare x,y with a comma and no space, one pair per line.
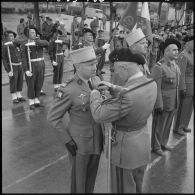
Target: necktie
90,85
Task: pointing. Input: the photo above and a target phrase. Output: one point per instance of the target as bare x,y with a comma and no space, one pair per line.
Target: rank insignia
60,94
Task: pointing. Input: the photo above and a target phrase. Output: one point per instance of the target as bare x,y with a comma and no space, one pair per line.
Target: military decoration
83,103
60,94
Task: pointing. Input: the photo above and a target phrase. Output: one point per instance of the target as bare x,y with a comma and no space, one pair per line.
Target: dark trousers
161,127
35,82
84,171
58,70
16,81
127,180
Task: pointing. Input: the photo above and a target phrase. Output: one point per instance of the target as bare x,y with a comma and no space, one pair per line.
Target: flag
129,18
144,20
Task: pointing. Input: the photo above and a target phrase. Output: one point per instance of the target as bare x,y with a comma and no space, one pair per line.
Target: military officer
186,86
33,63
84,137
130,151
11,56
88,40
57,57
167,73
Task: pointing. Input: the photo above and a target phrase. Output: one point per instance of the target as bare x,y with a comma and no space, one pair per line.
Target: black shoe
180,132
158,152
15,101
32,107
38,105
42,93
21,99
167,148
187,130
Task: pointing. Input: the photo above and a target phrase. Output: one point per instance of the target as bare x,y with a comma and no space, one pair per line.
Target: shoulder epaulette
67,82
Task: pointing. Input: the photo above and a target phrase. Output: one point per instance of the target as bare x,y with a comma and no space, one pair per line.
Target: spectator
42,20
75,30
100,40
104,19
20,28
124,43
30,21
94,25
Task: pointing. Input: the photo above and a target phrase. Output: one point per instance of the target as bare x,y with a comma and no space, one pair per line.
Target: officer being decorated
168,74
33,64
83,137
11,56
128,113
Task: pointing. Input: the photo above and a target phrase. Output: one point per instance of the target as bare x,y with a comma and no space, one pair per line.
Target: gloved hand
106,46
159,110
32,43
94,82
54,63
182,93
28,73
8,43
71,147
10,74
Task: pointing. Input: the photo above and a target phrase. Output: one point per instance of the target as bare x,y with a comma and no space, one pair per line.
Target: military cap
27,28
126,55
85,54
170,41
88,30
9,31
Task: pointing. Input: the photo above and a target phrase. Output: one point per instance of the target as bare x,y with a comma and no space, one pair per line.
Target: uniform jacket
129,117
167,84
187,75
15,54
35,52
73,98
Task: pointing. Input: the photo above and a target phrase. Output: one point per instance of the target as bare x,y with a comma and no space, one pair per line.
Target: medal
83,103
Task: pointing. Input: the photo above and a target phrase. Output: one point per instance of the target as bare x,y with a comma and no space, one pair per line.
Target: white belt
37,59
16,64
60,54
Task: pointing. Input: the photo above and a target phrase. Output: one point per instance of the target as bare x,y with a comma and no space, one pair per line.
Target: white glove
54,63
30,43
10,74
28,73
58,41
106,46
8,43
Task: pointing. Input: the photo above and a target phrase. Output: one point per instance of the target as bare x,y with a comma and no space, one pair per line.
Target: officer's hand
54,63
182,93
94,82
71,147
159,110
106,46
28,73
10,74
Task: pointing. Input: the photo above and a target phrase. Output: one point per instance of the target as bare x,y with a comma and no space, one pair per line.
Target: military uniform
167,100
35,82
56,54
74,99
16,81
130,151
186,105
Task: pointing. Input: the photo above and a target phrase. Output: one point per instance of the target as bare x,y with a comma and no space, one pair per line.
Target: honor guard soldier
186,90
33,63
88,40
167,97
138,43
130,150
57,56
84,137
11,56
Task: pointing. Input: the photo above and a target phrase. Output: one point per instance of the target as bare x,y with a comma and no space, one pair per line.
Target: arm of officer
42,43
111,111
57,111
51,50
182,63
5,59
156,72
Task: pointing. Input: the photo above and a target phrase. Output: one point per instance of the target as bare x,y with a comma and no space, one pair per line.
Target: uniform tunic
74,99
131,149
56,49
16,81
184,112
167,99
35,82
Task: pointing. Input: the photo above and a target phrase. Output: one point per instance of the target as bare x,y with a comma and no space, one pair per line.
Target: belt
16,64
125,129
60,54
36,59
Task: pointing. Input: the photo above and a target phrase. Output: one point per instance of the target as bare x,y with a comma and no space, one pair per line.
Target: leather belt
36,59
17,64
131,128
60,54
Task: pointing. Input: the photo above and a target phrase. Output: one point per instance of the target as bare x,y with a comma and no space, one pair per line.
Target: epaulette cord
67,82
